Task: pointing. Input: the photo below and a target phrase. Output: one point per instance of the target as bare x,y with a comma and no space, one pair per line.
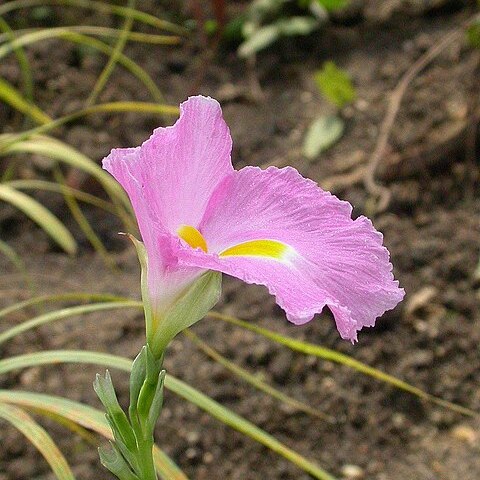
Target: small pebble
328,384
362,105
420,299
193,437
208,457
399,420
352,472
465,434
191,453
30,376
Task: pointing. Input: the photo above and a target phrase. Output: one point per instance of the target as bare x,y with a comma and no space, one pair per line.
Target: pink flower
270,227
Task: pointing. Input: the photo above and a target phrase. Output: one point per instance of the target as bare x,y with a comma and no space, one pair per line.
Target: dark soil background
431,227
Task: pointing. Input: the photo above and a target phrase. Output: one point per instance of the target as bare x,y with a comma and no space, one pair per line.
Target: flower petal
165,278
329,259
179,167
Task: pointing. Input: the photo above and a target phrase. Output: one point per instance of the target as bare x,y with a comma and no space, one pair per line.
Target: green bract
191,305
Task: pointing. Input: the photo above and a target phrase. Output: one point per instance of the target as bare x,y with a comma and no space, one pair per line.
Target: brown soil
431,228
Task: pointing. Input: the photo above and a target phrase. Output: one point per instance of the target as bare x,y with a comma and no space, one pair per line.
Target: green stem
145,453
141,420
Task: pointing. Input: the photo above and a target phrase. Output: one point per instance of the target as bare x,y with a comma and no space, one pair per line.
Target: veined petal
329,258
178,167
159,244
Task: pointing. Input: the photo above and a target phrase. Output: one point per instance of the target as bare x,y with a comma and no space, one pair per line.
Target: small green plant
336,86
266,21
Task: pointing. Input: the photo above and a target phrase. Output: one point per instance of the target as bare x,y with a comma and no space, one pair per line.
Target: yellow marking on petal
257,248
192,236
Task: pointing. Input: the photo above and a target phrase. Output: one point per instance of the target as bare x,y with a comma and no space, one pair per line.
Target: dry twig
373,188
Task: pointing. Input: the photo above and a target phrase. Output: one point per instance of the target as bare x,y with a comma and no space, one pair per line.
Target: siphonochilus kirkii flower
198,216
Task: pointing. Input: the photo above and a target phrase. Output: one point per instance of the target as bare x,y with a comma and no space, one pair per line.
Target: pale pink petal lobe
184,163
169,180
180,166
329,259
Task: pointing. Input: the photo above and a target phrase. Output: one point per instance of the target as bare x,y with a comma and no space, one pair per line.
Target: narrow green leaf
95,30
335,84
175,385
324,132
71,36
149,387
253,379
35,184
102,7
39,438
60,151
137,379
242,425
112,459
53,357
15,99
342,359
114,56
293,344
116,417
87,417
144,108
82,221
138,107
157,403
62,297
39,214
74,427
62,314
23,62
